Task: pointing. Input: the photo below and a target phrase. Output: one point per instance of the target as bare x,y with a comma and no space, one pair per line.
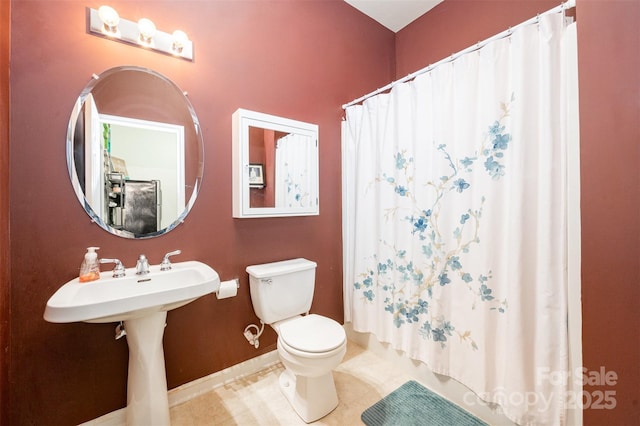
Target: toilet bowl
310,346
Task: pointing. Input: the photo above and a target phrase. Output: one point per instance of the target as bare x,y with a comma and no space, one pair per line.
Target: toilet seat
312,334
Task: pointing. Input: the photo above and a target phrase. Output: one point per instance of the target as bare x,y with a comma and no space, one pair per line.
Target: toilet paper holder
228,289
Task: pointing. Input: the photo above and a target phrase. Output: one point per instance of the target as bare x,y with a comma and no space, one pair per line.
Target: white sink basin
141,302
132,296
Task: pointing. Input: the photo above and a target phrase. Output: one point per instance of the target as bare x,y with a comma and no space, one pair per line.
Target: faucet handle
166,264
118,270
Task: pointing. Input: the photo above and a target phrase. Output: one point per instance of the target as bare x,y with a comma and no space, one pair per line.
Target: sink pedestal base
147,398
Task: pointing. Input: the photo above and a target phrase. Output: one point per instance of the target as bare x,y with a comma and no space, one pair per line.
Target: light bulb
179,40
147,30
110,19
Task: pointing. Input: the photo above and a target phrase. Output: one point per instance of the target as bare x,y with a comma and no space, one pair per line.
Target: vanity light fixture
105,22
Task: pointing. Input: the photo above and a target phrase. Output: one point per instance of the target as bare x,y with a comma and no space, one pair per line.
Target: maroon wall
297,59
609,66
609,79
5,252
454,25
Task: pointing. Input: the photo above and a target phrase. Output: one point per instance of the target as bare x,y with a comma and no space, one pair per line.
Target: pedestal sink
141,302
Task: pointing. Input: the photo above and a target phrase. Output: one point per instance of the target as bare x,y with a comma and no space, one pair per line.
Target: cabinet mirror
134,152
275,166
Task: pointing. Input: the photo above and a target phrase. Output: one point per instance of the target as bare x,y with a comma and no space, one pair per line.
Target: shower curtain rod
564,6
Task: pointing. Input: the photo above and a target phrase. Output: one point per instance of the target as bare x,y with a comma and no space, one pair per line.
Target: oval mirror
135,152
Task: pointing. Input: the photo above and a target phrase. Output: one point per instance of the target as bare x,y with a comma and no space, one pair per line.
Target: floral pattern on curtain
439,260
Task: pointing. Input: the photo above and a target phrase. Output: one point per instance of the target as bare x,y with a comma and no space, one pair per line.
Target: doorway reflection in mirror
142,151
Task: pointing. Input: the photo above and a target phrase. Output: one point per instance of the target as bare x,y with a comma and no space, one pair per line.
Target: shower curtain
293,177
455,218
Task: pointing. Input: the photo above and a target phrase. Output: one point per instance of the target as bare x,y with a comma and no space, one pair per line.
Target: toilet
309,345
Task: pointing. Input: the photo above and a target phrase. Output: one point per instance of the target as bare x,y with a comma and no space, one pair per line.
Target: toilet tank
281,290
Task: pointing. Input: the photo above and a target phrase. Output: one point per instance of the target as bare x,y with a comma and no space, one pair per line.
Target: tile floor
361,380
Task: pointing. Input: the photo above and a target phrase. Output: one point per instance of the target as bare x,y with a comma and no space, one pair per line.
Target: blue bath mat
413,404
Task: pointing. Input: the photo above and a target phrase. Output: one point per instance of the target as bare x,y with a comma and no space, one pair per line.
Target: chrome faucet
166,264
118,270
142,266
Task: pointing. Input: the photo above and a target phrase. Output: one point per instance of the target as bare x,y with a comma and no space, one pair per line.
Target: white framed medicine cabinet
275,166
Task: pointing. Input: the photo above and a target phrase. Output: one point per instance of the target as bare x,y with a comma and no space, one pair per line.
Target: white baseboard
205,384
197,387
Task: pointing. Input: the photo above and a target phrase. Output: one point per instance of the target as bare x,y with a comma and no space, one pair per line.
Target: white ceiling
394,14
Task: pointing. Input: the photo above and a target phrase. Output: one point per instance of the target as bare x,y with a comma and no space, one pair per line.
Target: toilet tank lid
273,269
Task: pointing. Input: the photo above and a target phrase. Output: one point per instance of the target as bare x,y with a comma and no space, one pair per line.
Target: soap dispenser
90,268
